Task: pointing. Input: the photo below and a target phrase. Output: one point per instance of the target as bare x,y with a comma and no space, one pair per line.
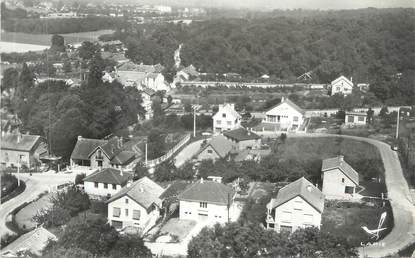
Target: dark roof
241,134
342,165
220,144
175,189
208,191
109,176
84,147
303,188
148,91
143,191
21,142
289,102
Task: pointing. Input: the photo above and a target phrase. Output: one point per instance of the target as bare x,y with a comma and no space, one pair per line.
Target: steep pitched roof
22,142
208,191
84,146
290,103
144,191
175,189
241,134
340,163
227,108
220,144
33,241
109,176
303,188
342,78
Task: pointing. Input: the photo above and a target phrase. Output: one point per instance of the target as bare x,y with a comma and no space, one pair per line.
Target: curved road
403,232
35,185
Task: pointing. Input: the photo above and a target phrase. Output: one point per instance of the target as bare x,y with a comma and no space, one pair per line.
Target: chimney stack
341,157
79,137
19,137
201,180
282,99
351,79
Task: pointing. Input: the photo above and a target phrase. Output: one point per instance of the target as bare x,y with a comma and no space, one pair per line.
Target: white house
147,96
286,114
341,85
339,178
226,118
106,182
206,201
355,118
136,206
297,205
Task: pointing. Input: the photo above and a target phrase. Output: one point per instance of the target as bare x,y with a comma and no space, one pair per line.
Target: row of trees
236,240
60,113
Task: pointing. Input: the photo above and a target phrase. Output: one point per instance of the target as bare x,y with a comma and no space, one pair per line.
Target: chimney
121,173
249,132
309,188
201,180
129,182
19,137
351,79
79,137
341,157
141,189
282,99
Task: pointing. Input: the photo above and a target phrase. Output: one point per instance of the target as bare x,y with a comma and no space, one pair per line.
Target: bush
79,179
99,207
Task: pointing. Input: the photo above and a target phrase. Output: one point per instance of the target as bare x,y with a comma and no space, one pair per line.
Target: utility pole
146,154
194,121
397,124
18,170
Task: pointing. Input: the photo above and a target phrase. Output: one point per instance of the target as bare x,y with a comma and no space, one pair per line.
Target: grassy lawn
24,217
346,219
177,227
45,39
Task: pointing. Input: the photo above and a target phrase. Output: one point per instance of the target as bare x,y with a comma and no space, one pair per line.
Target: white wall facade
284,115
341,86
224,120
100,191
294,214
127,207
213,213
351,119
335,182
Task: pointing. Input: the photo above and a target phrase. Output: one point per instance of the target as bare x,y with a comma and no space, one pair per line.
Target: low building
355,119
341,85
206,201
92,154
147,95
33,242
243,139
137,206
106,182
226,119
297,205
217,147
340,180
21,150
286,114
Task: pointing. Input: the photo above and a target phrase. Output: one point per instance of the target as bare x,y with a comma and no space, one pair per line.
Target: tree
10,79
58,43
165,171
72,200
79,179
87,50
54,217
140,171
187,108
130,246
67,67
156,144
169,99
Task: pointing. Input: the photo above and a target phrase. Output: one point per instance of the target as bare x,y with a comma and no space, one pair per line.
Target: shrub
79,179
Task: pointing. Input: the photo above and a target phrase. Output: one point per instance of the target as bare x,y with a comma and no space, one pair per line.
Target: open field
45,39
346,219
9,47
24,217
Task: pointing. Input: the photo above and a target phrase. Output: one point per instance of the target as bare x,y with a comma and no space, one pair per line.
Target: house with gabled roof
226,118
106,182
286,114
217,147
341,85
92,154
137,205
297,205
21,149
206,201
243,139
340,180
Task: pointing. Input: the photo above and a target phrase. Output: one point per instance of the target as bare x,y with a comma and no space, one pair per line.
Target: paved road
187,153
403,232
35,184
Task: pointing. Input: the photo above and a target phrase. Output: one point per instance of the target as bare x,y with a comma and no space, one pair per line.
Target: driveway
35,184
403,232
187,153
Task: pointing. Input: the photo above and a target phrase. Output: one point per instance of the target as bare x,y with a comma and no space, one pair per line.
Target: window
229,122
126,212
114,186
272,119
116,224
116,212
295,118
96,185
350,119
99,163
105,186
99,154
126,200
218,122
298,205
210,151
224,115
203,204
361,118
342,180
337,88
349,189
136,214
